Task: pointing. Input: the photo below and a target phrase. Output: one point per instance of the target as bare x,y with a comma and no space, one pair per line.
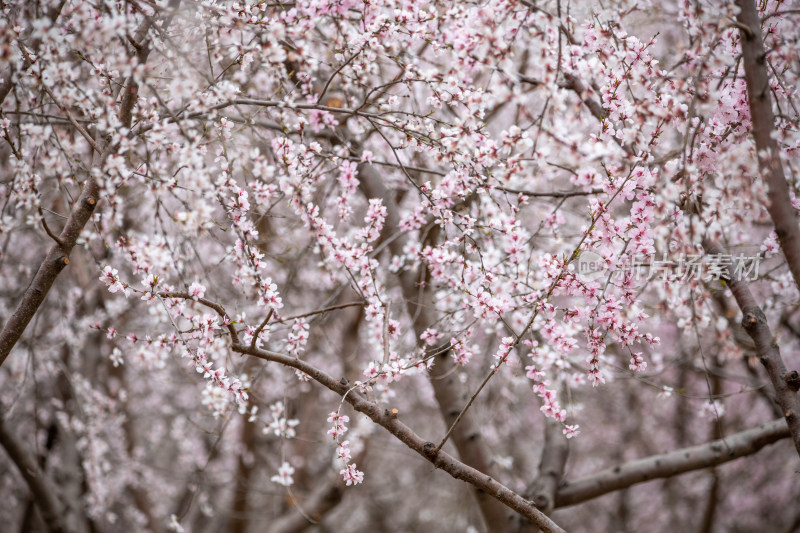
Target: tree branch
755,324
783,214
672,463
52,265
8,81
481,481
450,394
58,255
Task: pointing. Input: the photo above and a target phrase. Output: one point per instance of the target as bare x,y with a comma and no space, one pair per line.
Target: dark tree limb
551,466
783,214
243,479
755,324
388,420
45,495
712,503
671,463
52,265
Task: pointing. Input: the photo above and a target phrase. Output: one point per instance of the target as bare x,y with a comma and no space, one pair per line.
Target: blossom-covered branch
389,421
58,256
755,61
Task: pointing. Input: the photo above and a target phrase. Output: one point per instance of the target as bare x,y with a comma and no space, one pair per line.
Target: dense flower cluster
389,200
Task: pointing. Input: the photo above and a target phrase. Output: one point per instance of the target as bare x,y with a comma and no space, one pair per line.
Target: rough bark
755,324
754,59
54,262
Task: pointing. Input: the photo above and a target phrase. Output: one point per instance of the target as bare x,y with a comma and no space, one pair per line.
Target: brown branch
321,311
755,324
551,466
780,208
52,265
139,43
553,194
385,418
58,255
450,393
47,228
227,321
45,495
575,85
672,463
74,122
244,471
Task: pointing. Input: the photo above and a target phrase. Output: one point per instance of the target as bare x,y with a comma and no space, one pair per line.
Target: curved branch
553,194
226,318
390,422
672,463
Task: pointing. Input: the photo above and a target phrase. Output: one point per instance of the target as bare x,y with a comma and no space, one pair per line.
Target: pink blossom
352,475
197,291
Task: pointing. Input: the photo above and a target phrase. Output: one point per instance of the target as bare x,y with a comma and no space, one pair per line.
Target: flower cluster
350,474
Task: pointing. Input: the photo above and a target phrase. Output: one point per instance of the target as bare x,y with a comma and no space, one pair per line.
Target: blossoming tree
273,266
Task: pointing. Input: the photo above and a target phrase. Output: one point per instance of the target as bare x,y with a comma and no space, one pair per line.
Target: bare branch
553,194
672,463
322,311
